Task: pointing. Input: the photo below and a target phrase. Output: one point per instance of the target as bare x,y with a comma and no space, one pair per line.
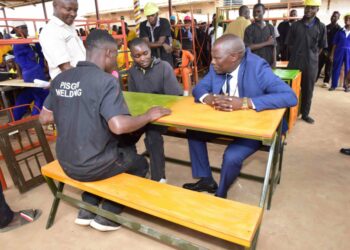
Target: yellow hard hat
150,9
347,14
313,2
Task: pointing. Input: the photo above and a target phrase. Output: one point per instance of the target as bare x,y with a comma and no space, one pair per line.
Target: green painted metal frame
57,191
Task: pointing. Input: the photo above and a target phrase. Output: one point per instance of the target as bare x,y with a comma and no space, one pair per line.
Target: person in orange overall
183,60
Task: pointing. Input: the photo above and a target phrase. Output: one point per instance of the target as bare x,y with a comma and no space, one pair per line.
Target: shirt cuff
253,106
202,98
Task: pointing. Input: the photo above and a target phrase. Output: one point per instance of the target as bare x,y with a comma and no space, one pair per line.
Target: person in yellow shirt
238,26
4,49
121,62
130,34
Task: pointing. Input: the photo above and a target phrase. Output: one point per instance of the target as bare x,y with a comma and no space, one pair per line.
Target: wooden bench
225,219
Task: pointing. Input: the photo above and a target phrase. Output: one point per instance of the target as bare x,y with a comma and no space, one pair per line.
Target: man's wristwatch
245,104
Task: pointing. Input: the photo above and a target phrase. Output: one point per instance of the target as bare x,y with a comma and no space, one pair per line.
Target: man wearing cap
306,39
186,36
173,28
61,44
30,60
157,33
238,26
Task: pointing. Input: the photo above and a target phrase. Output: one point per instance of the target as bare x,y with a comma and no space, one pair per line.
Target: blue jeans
6,214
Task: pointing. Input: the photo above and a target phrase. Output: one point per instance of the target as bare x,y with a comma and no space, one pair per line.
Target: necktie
228,79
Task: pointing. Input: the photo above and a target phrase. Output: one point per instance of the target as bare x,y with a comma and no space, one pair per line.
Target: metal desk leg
267,173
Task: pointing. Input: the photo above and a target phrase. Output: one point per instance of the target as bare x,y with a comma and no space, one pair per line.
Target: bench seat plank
222,218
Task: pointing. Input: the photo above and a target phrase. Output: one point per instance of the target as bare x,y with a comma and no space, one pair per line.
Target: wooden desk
262,126
293,78
18,83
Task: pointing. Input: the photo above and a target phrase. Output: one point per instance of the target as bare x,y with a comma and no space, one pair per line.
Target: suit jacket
255,80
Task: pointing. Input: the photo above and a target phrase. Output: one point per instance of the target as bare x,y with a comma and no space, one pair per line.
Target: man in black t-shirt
156,32
91,115
260,36
152,75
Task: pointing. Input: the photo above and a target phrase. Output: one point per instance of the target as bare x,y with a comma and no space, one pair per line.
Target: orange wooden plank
222,218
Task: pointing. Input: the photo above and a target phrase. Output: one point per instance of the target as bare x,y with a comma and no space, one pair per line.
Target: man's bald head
65,10
230,44
227,53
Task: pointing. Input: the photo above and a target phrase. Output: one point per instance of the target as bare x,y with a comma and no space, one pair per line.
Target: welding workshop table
264,126
293,78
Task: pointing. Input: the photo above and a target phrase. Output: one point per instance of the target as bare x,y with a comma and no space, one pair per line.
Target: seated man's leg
39,98
129,162
186,80
155,147
25,97
6,214
233,158
197,142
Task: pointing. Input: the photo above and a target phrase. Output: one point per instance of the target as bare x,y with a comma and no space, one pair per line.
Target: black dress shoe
308,119
331,89
201,186
345,151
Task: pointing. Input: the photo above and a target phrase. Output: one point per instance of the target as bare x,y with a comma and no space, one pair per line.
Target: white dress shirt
61,44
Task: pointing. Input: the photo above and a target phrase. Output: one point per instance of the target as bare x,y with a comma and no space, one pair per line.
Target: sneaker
102,224
325,85
163,180
84,218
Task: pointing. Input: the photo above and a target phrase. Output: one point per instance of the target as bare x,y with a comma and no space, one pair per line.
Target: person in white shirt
61,45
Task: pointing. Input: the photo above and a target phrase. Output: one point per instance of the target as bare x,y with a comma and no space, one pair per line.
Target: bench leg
55,204
274,171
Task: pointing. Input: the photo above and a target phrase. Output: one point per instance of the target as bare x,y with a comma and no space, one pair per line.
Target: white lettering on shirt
69,89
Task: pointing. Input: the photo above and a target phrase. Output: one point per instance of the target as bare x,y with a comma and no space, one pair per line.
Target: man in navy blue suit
237,80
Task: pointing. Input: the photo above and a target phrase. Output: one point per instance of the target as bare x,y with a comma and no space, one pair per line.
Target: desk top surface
190,115
286,74
17,83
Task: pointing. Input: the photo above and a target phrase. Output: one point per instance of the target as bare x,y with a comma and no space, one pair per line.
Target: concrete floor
310,209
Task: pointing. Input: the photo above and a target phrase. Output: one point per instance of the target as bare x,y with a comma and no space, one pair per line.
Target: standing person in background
306,39
260,36
213,29
238,26
325,56
341,53
185,35
157,33
61,45
130,34
30,60
283,29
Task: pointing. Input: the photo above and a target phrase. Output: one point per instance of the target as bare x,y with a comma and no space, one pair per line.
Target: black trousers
325,61
308,80
129,162
6,214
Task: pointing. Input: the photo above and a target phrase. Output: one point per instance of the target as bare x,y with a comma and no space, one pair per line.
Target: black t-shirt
82,100
162,28
255,34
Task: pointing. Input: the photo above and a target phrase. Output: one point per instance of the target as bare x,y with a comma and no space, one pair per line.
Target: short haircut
259,5
98,37
242,9
136,42
336,12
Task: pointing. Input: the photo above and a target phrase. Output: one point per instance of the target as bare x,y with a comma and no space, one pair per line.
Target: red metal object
2,180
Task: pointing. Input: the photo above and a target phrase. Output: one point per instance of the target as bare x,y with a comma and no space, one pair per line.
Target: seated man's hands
227,103
155,113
